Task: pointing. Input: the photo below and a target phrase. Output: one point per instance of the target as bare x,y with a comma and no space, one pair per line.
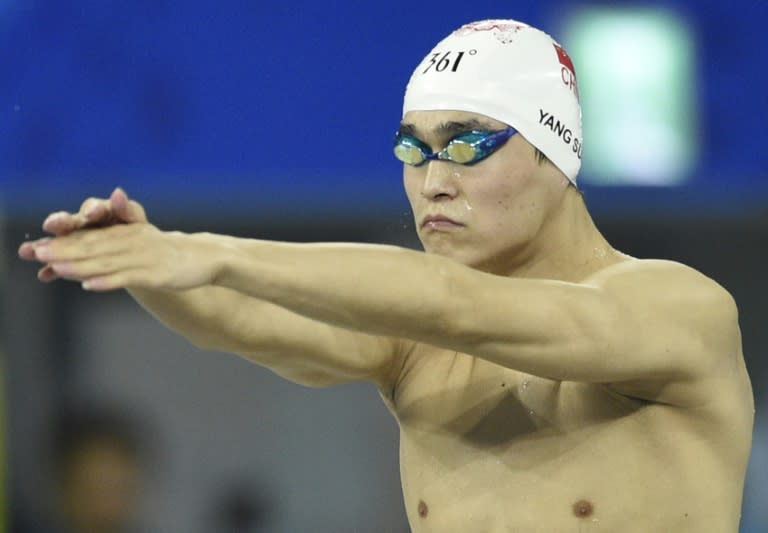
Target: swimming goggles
466,148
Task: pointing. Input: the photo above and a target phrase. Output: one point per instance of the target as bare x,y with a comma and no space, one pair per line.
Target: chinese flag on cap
564,59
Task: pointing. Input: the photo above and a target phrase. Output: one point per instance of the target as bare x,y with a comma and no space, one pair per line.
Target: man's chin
458,255
490,265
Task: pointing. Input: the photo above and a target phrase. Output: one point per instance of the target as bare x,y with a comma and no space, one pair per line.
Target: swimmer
542,380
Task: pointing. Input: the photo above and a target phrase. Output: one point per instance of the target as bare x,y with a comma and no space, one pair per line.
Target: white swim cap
511,72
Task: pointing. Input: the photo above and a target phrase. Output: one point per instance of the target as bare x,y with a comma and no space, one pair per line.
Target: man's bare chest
457,393
486,448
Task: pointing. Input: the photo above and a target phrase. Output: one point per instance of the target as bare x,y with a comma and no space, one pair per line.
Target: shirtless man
542,380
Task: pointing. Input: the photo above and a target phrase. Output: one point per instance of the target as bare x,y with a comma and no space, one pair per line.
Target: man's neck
568,246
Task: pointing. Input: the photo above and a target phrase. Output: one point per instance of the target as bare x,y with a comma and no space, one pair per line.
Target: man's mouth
440,222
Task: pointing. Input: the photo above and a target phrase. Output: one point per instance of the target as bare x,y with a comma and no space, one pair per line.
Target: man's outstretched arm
653,324
639,321
216,318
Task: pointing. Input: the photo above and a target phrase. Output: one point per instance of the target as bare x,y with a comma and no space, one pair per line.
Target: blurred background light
636,72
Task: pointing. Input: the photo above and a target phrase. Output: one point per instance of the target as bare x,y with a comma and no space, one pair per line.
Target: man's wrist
220,253
211,250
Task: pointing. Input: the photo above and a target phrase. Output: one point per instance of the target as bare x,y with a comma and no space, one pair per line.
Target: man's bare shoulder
687,319
649,267
675,286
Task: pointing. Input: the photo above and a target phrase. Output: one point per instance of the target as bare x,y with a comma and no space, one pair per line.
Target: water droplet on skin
530,412
457,174
407,219
466,204
525,384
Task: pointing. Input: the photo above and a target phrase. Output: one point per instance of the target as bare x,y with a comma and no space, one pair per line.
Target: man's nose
441,180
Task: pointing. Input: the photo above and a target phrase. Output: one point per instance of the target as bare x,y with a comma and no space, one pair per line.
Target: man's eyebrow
446,130
406,129
449,129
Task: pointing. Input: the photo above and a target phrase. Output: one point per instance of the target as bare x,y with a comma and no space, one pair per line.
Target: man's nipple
423,509
583,508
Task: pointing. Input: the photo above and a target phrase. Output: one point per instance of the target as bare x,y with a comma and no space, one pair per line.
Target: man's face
498,205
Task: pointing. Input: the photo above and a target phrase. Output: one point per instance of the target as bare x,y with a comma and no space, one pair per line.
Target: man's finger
119,280
27,249
95,266
47,274
61,223
86,243
96,212
89,203
125,209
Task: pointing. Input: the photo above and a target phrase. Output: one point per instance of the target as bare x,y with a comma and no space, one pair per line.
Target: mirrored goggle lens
461,152
408,153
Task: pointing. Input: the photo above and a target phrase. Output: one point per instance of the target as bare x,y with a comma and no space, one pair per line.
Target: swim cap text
561,130
441,61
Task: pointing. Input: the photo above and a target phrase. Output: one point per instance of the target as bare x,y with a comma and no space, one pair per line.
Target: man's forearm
201,315
376,289
300,349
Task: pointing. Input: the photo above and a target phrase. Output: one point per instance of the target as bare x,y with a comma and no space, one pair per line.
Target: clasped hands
109,244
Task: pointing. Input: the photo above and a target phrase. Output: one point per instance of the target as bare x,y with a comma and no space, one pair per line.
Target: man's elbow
309,378
211,343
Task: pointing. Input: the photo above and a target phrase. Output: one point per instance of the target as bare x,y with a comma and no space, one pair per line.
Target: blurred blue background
275,120
246,106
